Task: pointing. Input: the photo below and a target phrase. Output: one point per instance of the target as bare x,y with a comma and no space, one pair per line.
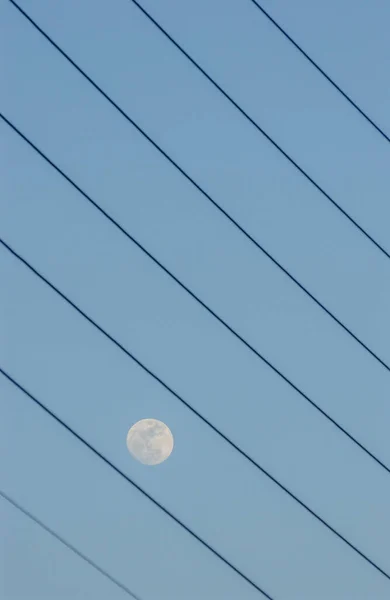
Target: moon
150,441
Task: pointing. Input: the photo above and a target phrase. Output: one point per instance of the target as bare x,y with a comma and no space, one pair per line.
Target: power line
61,539
226,95
195,412
320,70
129,119
129,480
191,293
255,124
202,191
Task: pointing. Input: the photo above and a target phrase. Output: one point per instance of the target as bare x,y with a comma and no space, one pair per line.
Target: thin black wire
58,537
195,412
116,469
191,293
256,125
202,191
226,95
316,66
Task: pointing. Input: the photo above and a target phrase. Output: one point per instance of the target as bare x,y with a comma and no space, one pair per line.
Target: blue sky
100,392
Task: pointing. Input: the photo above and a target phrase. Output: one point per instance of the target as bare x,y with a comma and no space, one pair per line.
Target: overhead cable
320,70
192,294
60,538
241,110
259,128
209,198
195,412
131,481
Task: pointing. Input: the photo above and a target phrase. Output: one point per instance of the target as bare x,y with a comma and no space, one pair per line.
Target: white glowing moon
150,441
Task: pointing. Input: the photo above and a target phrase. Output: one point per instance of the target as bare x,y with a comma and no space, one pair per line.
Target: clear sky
93,386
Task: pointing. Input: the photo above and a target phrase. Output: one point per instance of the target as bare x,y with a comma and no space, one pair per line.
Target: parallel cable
201,190
256,125
228,216
57,536
127,477
199,415
225,94
320,70
193,295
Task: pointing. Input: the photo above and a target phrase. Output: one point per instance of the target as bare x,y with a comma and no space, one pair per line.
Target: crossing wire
60,538
320,70
200,416
129,479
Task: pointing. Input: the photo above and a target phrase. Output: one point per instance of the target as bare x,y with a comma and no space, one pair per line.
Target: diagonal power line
132,482
193,295
227,96
195,412
57,536
320,70
201,190
248,118
194,183
129,119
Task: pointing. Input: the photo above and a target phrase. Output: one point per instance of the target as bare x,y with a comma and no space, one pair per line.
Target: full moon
150,441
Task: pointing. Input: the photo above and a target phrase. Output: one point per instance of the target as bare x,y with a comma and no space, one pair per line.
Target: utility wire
226,95
61,539
126,477
195,412
154,144
323,73
204,193
255,124
192,294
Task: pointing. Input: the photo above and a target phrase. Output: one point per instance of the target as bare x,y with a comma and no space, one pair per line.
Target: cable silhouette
131,481
129,119
257,126
320,70
204,193
226,95
195,412
62,540
193,295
